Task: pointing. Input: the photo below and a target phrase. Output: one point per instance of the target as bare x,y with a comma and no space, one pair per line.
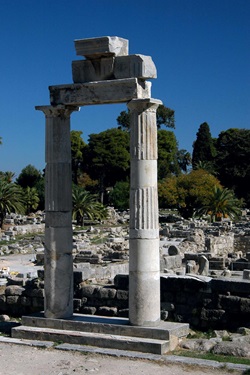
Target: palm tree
11,199
31,199
7,176
222,203
86,204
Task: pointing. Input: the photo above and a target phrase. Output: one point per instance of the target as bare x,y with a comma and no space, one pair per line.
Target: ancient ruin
108,75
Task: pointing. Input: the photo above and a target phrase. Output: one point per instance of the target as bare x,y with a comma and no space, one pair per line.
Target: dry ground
26,360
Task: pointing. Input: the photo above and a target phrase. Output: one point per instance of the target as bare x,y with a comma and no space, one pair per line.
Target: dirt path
25,360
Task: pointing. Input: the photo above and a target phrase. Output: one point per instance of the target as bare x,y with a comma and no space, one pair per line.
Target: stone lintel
101,46
121,67
100,92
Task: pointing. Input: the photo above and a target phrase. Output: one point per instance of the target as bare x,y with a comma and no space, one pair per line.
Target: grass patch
212,357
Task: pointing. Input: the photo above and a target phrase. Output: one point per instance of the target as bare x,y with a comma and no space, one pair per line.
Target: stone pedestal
144,257
58,263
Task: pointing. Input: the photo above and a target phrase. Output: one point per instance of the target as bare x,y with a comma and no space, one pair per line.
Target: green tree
222,203
86,205
31,199
164,116
187,192
167,154
11,199
77,149
7,176
29,176
203,147
107,157
119,196
232,161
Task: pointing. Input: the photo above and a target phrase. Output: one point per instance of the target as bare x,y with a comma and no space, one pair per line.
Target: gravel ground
27,360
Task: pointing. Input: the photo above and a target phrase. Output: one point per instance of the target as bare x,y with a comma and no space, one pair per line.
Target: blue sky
200,48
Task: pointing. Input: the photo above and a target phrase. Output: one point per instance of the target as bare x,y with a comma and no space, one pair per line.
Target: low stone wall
202,302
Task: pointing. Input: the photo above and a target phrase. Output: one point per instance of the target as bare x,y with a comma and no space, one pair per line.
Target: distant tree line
212,181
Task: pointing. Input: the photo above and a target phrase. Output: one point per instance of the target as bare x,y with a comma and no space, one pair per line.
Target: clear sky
201,49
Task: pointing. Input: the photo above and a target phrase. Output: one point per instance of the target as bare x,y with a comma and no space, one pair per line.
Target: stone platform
104,332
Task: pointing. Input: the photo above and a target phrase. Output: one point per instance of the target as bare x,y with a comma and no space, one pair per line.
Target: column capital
143,104
62,111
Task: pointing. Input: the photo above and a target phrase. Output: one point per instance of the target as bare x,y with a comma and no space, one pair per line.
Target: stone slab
100,92
101,46
132,66
103,332
108,325
93,339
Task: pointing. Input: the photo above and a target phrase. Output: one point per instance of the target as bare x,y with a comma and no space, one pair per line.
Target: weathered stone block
212,315
93,70
14,290
138,66
101,46
106,293
100,92
88,290
88,310
245,305
12,300
107,311
122,294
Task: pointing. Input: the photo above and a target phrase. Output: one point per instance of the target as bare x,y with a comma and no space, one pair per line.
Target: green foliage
123,120
167,154
187,192
108,157
29,176
232,161
77,149
86,205
203,147
221,204
7,176
165,116
119,196
31,199
11,199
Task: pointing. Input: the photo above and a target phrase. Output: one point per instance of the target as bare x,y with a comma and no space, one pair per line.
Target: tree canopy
11,199
232,161
203,147
221,204
187,192
107,157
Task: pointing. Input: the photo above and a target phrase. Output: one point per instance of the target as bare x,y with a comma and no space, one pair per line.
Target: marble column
144,258
58,262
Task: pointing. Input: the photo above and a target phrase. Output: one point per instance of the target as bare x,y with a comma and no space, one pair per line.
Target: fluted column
58,262
144,259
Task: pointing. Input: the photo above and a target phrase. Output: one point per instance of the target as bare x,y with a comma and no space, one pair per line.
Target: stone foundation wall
202,302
